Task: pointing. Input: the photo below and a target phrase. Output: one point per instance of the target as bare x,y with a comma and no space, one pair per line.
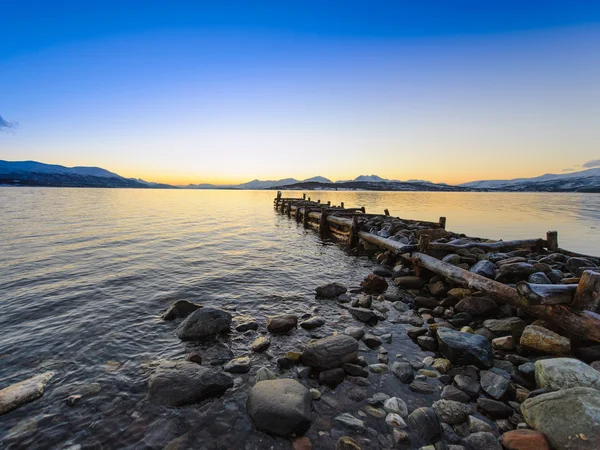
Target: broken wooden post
552,241
305,217
289,211
442,223
304,196
329,203
424,241
342,204
362,208
546,294
298,213
587,295
353,239
323,222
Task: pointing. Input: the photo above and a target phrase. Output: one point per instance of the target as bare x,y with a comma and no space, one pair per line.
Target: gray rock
426,302
451,412
363,314
280,407
569,418
16,395
178,383
282,323
539,339
331,290
379,368
565,373
477,425
539,278
180,309
494,385
355,370
453,393
371,340
264,374
503,327
426,424
409,282
330,352
467,384
351,422
421,387
332,377
484,268
494,408
403,370
238,365
202,323
575,264
312,323
465,348
427,342
397,406
482,440
356,332
515,272
476,305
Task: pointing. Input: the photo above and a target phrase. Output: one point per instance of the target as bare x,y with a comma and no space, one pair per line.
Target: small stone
524,440
397,406
282,323
264,374
427,342
72,400
426,424
331,290
371,340
395,420
539,339
312,323
180,309
477,425
379,368
260,344
332,377
194,357
375,412
422,387
347,443
355,370
374,284
351,422
493,384
238,365
494,408
403,370
503,343
453,393
487,441
442,365
316,394
451,412
356,332
302,443
415,332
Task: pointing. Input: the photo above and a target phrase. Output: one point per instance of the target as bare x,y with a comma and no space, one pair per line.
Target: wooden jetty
574,307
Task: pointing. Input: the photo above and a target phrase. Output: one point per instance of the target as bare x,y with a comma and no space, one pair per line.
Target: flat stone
180,309
464,348
312,323
363,314
494,385
503,343
351,422
282,323
397,406
23,392
484,268
331,290
453,393
260,344
356,332
467,384
427,342
280,407
409,282
371,340
513,326
421,387
394,420
542,340
524,440
451,412
494,408
565,373
202,323
403,370
569,418
379,368
476,425
238,365
347,443
330,352
355,370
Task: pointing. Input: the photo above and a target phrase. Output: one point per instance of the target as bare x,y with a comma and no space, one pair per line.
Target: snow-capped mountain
317,180
584,179
37,167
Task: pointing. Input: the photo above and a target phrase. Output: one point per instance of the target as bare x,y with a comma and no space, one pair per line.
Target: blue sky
199,92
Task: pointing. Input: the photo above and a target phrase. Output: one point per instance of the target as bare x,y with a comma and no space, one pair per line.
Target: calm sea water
85,274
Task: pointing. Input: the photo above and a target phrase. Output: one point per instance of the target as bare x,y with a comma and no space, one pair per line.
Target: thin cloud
5,125
591,164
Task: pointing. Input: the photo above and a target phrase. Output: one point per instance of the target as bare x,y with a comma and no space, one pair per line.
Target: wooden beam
388,244
546,294
587,295
500,245
442,223
579,255
585,324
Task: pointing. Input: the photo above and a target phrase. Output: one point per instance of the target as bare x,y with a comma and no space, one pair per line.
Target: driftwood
578,255
587,295
546,294
388,244
500,245
585,324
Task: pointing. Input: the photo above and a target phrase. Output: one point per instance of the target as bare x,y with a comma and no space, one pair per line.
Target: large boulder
465,348
203,323
331,290
570,418
282,323
180,309
330,352
426,424
178,383
476,305
15,395
542,340
280,407
565,373
512,326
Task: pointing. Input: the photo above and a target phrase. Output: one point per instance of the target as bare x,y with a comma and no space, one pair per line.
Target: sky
226,92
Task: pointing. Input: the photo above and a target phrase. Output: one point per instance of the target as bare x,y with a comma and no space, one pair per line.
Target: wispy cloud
591,164
5,125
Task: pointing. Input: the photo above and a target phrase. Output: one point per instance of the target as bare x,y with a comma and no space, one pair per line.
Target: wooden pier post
587,295
442,223
353,238
342,204
305,217
386,212
304,196
298,213
362,208
289,211
552,239
424,241
323,222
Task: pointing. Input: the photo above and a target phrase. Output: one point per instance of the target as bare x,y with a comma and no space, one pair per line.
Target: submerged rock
202,323
464,348
18,394
238,365
363,314
178,383
282,323
280,407
374,284
260,344
331,290
312,323
180,309
330,352
426,424
569,418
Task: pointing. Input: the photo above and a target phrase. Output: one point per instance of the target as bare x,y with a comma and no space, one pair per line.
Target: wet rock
539,278
202,323
568,418
374,284
427,342
476,305
565,373
494,385
503,343
403,370
513,326
524,440
379,368
264,374
539,339
515,272
494,408
347,443
467,384
371,340
302,443
442,365
394,420
180,309
363,314
575,264
279,407
194,357
18,394
415,332
453,393
332,377
356,332
331,290
452,258
355,370
356,394
481,440
438,289
397,406
312,323
421,387
344,298
409,282
374,411
238,365
282,323
426,424
243,324
484,268
330,352
426,302
260,344
464,348
217,354
476,425
178,383
451,412
351,422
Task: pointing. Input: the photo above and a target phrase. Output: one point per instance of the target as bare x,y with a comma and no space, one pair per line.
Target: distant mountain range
32,173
